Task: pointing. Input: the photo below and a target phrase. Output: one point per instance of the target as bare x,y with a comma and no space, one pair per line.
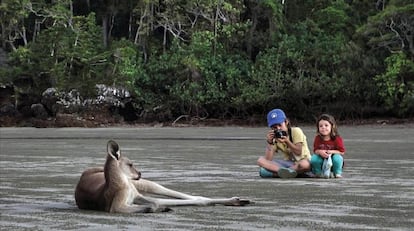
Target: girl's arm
339,146
334,152
316,142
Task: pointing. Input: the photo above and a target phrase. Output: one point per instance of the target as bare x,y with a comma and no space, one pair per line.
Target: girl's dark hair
331,120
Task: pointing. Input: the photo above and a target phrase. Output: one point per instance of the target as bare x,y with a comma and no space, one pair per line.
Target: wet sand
39,169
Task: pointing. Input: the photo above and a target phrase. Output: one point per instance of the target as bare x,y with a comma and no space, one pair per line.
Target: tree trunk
105,30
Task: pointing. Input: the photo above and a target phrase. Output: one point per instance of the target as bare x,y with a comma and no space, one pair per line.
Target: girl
327,144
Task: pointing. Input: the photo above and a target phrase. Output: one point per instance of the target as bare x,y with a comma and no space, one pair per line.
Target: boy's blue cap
275,116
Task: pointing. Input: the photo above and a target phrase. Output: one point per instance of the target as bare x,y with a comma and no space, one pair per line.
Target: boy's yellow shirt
297,137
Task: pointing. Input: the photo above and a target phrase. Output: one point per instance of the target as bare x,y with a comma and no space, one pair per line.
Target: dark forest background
217,59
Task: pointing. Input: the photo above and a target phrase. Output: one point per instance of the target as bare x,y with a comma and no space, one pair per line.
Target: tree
392,28
266,24
13,14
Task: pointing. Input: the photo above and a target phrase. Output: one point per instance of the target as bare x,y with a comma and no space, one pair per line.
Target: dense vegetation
221,59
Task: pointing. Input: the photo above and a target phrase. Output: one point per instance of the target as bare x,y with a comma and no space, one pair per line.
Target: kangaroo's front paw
236,201
164,209
161,209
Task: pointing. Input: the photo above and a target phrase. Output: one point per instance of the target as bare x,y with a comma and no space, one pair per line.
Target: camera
280,133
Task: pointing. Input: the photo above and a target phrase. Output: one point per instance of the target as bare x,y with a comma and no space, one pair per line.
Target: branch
180,117
397,34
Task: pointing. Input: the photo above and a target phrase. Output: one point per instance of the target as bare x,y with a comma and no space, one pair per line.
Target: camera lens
280,133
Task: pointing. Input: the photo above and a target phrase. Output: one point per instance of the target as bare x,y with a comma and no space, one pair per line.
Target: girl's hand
324,153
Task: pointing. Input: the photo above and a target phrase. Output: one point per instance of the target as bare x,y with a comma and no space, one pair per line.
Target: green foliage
333,18
268,83
127,63
396,85
67,57
207,80
220,59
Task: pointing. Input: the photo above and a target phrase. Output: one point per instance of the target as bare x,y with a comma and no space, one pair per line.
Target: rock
7,101
49,98
8,110
39,111
114,96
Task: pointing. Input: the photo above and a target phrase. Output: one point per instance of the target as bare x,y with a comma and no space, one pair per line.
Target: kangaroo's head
118,166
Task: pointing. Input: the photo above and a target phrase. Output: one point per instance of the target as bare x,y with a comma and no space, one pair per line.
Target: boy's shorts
289,163
284,163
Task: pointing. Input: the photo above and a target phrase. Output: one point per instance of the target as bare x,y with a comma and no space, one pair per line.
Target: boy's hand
283,139
270,136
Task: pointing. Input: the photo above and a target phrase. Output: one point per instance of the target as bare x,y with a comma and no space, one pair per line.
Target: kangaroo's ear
113,150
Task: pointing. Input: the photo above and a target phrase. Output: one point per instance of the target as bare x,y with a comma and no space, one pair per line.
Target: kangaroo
118,188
